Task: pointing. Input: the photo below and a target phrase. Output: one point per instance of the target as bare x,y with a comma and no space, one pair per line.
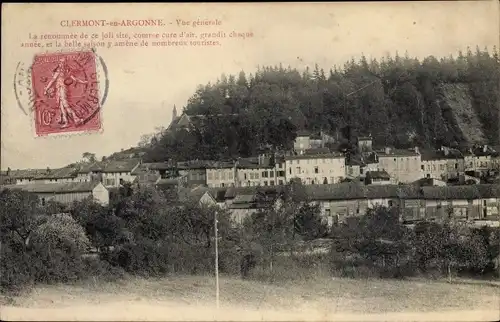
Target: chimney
446,150
485,148
387,150
416,150
8,171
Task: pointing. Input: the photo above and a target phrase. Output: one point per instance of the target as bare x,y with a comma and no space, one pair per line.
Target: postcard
250,161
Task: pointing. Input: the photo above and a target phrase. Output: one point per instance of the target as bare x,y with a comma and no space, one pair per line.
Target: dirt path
164,311
192,298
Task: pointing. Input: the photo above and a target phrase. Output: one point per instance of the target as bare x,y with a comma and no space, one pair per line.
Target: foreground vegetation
144,233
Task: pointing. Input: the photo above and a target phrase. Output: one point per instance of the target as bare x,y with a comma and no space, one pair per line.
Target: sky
146,82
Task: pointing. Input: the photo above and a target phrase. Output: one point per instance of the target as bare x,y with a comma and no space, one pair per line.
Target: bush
15,268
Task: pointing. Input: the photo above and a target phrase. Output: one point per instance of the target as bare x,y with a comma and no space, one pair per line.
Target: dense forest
400,101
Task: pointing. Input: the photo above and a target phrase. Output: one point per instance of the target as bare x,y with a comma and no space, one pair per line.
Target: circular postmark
63,92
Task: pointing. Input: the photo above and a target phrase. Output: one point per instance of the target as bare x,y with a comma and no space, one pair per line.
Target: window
230,176
290,171
265,183
264,174
271,174
281,182
43,201
327,212
316,170
422,167
361,170
256,176
390,203
244,176
297,170
271,182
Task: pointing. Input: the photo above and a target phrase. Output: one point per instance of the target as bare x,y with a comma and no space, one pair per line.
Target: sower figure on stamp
60,76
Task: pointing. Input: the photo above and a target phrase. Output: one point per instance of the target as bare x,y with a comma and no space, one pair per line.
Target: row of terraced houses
426,184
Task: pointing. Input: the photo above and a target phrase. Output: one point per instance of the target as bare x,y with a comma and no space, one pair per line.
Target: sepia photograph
250,161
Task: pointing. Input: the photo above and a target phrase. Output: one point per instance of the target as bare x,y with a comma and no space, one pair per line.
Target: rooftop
61,173
356,190
315,156
55,187
397,153
23,173
111,166
430,155
382,174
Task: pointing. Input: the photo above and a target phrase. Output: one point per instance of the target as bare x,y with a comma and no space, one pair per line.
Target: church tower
174,113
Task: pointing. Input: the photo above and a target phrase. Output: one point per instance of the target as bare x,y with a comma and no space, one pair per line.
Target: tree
377,239
89,157
308,222
101,225
20,214
59,244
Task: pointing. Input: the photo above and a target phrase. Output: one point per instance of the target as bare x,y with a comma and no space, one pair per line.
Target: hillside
457,99
400,101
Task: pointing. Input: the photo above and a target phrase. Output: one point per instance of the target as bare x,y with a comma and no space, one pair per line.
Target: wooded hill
400,101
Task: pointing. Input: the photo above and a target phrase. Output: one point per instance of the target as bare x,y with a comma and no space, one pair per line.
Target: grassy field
192,298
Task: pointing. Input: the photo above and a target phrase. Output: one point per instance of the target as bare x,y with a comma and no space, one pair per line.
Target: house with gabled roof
316,168
442,164
199,195
20,176
61,175
112,173
468,202
380,177
302,141
402,165
66,193
480,158
459,202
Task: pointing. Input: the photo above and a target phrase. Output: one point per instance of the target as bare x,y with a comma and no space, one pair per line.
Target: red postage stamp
67,87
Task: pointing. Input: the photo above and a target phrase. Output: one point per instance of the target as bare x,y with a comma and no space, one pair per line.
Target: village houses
111,173
316,168
66,193
480,159
221,174
402,165
442,164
